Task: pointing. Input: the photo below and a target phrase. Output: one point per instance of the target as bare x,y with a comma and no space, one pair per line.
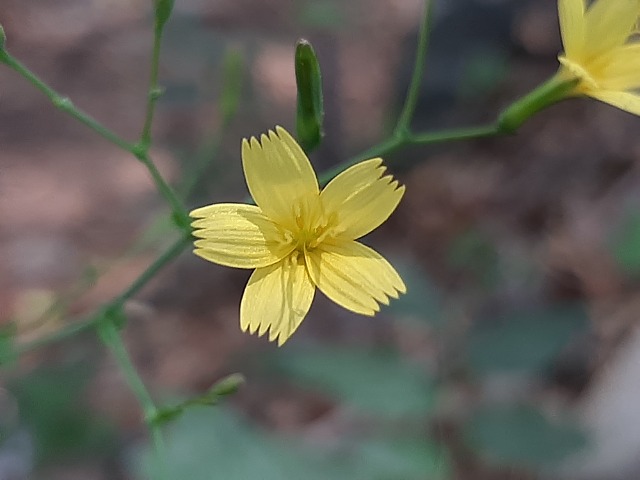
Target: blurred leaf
474,253
207,444
325,15
310,108
7,344
422,300
483,73
406,459
50,403
378,383
525,340
522,436
626,244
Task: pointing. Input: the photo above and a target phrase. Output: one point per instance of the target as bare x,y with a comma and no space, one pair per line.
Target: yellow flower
601,51
298,238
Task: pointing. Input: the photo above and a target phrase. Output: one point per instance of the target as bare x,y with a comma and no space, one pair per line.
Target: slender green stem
142,148
90,322
64,103
139,150
430,138
112,339
413,139
411,100
154,90
180,214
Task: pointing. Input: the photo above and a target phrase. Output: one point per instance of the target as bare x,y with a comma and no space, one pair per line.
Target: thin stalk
430,138
411,100
181,216
112,339
140,150
90,322
154,90
64,103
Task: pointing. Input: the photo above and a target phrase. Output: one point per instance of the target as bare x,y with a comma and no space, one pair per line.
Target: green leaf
626,244
327,15
474,253
7,344
50,404
310,110
208,444
374,382
405,458
524,341
522,436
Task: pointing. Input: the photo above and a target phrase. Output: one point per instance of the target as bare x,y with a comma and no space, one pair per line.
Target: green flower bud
3,38
228,385
310,111
163,11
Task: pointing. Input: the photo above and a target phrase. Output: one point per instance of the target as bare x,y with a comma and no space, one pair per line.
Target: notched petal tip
254,143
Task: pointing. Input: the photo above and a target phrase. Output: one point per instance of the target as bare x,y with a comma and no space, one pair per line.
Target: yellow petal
622,69
276,299
278,173
354,276
361,198
608,24
237,235
629,102
572,26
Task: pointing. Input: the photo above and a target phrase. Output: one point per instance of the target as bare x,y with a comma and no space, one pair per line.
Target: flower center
312,225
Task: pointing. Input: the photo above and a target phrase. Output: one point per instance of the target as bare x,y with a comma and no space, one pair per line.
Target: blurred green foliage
51,405
473,253
524,340
625,244
216,443
324,15
7,348
378,383
423,300
522,436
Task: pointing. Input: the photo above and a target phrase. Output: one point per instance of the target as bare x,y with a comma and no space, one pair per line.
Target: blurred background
515,353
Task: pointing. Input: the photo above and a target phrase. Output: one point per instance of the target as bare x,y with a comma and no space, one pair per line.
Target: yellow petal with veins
278,174
361,198
354,276
238,235
276,299
572,26
608,25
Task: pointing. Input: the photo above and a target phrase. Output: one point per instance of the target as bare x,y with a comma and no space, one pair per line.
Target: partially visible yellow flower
601,50
298,238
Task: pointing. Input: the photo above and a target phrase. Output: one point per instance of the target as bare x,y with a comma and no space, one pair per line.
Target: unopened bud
228,385
3,38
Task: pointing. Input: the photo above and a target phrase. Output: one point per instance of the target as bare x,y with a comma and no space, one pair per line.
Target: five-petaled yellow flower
298,238
601,50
